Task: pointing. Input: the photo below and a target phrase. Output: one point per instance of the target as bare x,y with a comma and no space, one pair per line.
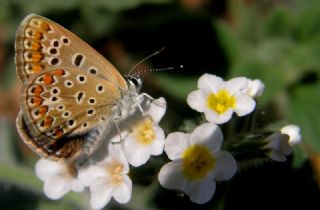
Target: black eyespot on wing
80,95
93,71
54,61
53,51
78,60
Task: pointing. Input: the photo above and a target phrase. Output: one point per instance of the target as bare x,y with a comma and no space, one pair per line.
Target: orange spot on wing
48,121
44,26
33,34
36,56
32,45
58,133
37,35
43,110
37,90
35,46
37,101
47,79
58,72
35,68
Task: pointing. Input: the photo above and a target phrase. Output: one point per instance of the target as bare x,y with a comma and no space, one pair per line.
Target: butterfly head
134,82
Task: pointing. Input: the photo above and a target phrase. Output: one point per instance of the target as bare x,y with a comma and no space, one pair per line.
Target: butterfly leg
119,133
145,95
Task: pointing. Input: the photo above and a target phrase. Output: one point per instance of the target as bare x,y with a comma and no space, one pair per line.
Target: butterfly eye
135,81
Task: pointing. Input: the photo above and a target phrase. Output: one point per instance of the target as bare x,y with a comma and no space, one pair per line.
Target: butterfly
69,92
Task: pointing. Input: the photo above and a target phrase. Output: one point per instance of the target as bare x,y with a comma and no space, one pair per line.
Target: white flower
255,88
146,137
278,147
196,162
58,177
108,178
293,131
219,99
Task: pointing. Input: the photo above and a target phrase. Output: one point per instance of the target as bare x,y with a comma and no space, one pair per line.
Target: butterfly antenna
143,60
159,69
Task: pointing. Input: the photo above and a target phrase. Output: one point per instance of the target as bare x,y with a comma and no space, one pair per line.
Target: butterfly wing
60,107
60,113
42,44
68,146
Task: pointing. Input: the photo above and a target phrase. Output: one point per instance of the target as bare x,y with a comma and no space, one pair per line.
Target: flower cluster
197,157
106,172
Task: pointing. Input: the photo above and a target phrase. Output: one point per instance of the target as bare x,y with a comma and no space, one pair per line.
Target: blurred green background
277,41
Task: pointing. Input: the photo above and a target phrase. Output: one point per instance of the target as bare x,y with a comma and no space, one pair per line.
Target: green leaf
307,22
228,40
6,151
304,111
278,23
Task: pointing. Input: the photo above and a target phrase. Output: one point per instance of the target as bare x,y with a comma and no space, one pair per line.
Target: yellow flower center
144,132
197,162
116,172
221,101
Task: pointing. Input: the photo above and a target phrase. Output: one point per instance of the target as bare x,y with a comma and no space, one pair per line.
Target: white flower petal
45,168
197,100
293,131
136,153
77,185
116,153
100,195
236,84
255,88
56,187
209,135
214,117
157,109
209,83
175,144
200,191
171,176
156,148
88,176
226,166
122,193
140,157
244,104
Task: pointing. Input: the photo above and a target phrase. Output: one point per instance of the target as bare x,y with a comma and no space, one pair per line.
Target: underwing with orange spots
69,92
